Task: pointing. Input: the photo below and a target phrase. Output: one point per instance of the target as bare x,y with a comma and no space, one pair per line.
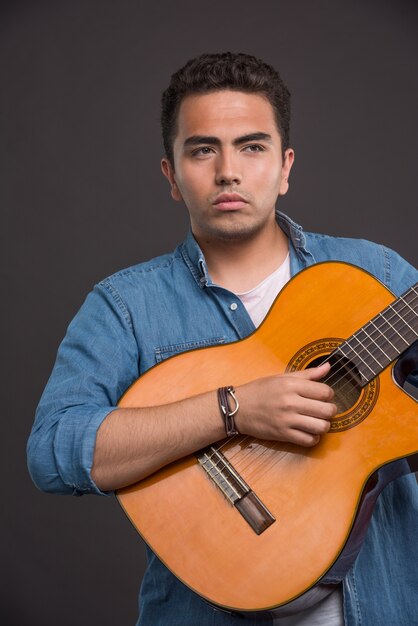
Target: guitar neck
384,338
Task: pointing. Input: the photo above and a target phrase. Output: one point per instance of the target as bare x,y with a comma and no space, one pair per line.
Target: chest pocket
164,352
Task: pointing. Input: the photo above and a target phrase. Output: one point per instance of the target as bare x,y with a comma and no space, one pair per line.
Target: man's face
228,165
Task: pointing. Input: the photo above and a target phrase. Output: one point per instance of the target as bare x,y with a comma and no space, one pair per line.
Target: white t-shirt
257,301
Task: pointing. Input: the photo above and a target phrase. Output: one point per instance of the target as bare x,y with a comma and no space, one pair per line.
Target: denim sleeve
399,274
96,362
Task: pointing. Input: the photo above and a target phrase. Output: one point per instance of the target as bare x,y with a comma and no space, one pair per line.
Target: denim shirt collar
300,256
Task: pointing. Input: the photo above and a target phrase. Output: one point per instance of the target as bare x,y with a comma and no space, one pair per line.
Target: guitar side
314,494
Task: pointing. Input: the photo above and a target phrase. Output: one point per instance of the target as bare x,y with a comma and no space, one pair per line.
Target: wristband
224,393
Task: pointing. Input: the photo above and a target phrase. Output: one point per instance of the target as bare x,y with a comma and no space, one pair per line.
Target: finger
312,425
315,373
317,409
311,389
301,438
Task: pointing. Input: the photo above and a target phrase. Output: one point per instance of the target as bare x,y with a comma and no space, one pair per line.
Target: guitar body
315,494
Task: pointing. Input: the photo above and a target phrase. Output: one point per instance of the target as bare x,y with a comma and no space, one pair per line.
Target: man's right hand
294,407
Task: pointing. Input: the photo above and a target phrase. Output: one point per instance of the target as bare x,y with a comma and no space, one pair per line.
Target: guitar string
220,471
257,467
381,316
257,471
238,466
223,468
252,454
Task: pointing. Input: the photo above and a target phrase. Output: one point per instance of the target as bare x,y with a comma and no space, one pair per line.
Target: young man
225,126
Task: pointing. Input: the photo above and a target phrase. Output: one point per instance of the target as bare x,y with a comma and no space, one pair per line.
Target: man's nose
228,171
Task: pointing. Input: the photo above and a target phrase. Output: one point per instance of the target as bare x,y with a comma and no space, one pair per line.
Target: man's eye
203,151
254,147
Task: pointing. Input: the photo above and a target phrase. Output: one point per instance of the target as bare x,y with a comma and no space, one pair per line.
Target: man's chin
232,233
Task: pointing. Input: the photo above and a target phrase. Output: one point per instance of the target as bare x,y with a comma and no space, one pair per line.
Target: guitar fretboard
384,338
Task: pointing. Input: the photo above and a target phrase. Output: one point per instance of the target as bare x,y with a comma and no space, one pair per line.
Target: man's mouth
229,202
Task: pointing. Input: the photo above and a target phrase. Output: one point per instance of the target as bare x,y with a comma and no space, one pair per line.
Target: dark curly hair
227,70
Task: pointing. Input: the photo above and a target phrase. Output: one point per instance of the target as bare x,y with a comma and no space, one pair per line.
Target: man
225,122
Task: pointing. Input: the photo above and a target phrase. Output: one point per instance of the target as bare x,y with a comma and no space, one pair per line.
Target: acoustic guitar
255,525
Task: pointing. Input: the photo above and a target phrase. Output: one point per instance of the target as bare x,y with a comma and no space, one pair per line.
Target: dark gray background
82,196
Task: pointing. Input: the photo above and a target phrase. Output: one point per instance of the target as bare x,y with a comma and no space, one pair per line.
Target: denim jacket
148,312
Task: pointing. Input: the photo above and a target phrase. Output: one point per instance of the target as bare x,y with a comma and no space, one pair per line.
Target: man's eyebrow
198,140
252,137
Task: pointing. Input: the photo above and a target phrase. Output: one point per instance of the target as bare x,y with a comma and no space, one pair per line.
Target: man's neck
240,265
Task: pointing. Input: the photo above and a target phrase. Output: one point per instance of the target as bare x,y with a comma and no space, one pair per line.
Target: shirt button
233,306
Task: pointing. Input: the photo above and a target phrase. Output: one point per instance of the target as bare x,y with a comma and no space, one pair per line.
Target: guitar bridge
235,489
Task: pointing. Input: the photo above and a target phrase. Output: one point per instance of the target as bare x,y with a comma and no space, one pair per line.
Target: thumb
316,373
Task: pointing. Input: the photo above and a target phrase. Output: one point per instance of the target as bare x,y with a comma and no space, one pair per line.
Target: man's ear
168,171
289,157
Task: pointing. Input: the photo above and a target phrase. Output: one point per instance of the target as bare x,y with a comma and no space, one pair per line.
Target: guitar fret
414,313
347,343
390,351
392,325
404,304
372,344
372,341
388,341
391,338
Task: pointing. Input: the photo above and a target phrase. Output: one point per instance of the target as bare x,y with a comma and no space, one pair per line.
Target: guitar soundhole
354,401
345,380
